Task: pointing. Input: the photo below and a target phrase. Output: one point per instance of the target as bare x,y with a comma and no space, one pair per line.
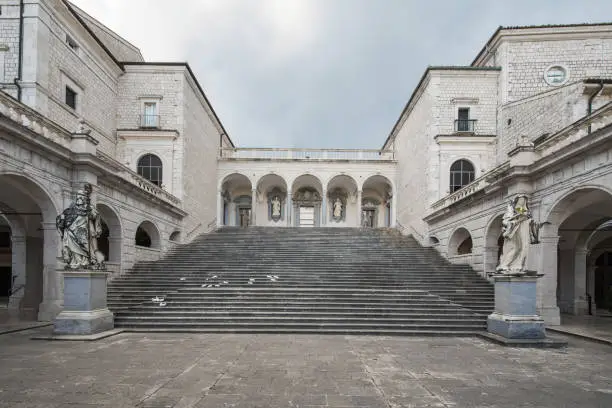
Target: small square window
71,98
71,43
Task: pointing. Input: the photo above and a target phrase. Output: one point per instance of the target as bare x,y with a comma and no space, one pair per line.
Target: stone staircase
315,280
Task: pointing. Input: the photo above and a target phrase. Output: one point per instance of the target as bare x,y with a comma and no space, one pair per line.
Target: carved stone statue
519,230
80,226
276,208
337,209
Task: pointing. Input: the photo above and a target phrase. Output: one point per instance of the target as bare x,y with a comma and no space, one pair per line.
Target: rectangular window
463,120
150,118
71,98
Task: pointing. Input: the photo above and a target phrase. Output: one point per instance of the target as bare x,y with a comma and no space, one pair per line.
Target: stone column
253,221
323,209
52,278
581,306
590,273
18,268
220,209
288,213
359,194
546,253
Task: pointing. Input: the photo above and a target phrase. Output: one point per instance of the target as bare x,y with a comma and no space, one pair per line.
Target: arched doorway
110,243
6,265
578,218
29,219
376,203
307,199
237,201
599,280
494,242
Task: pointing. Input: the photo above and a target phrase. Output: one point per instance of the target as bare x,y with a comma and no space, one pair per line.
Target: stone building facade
531,115
538,123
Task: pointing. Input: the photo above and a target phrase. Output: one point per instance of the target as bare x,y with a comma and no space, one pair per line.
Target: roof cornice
542,32
195,81
418,90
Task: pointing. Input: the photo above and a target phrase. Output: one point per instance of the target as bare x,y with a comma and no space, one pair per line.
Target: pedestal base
515,320
85,312
83,323
516,327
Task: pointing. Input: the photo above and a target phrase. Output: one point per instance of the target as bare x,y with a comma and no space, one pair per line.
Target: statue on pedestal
276,208
337,209
519,230
80,226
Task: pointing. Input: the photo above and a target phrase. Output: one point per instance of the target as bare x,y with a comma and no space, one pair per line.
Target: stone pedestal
515,315
85,311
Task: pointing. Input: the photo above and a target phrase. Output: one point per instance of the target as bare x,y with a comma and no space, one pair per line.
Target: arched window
142,238
150,167
461,174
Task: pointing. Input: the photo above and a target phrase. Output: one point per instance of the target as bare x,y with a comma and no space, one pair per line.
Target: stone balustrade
37,123
307,154
134,178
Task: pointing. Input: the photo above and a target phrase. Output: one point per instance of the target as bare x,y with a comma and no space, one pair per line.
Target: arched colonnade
306,201
574,253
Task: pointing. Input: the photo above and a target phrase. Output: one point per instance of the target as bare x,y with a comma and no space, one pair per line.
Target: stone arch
493,243
460,242
235,210
175,237
110,243
377,202
574,200
307,198
148,236
342,198
575,218
30,208
272,193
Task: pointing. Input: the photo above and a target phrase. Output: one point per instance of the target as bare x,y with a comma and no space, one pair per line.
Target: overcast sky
320,73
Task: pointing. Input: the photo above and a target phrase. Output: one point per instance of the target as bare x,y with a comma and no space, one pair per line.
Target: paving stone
298,371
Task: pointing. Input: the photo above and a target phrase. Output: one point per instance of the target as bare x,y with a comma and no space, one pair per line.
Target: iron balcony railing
149,121
465,125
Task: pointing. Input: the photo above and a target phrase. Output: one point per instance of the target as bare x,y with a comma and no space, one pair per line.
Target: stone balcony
285,154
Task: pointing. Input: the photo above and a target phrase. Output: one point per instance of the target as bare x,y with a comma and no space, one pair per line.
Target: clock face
555,75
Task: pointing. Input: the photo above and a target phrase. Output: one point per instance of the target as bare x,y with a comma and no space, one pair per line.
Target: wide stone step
343,281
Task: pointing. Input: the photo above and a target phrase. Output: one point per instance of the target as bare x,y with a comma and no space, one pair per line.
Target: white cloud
319,73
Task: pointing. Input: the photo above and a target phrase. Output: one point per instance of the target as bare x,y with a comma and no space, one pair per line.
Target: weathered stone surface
195,370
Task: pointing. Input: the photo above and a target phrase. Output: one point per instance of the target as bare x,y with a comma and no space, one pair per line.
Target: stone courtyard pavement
225,370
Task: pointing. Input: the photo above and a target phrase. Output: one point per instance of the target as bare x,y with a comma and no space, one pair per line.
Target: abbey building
531,115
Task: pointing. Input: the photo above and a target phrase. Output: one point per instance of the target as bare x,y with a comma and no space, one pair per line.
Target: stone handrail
468,190
307,154
33,120
136,179
477,185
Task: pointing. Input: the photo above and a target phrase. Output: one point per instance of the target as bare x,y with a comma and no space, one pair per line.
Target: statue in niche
519,230
276,208
337,209
80,226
